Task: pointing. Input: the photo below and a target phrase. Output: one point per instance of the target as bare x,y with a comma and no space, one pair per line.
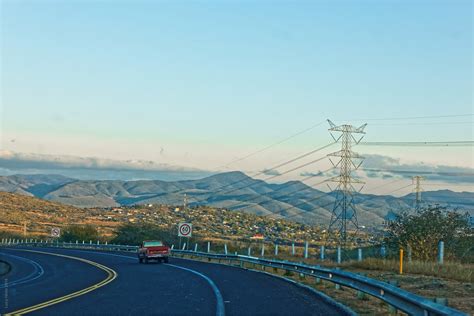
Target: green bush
79,232
422,230
134,234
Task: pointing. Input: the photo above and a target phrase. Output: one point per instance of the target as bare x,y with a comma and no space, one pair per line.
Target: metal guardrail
76,245
400,299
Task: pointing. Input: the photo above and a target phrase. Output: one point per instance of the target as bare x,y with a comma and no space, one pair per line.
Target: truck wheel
140,260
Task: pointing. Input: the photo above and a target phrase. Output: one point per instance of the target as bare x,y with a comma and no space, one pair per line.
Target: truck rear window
152,243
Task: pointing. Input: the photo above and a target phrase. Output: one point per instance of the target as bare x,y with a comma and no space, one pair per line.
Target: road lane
144,289
23,270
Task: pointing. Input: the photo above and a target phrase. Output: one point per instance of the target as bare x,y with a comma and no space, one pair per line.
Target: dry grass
448,270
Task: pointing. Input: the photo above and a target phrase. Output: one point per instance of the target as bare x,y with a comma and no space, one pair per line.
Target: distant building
257,237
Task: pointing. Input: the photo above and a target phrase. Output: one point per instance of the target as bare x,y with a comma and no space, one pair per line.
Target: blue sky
199,83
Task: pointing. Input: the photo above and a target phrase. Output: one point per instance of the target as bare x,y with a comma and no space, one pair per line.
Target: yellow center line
111,275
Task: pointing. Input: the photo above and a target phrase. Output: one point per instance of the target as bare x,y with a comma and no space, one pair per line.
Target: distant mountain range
232,190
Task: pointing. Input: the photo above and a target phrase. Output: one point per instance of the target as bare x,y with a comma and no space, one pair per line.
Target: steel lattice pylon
344,213
418,189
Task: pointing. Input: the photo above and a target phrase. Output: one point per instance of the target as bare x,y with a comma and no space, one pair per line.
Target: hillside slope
232,190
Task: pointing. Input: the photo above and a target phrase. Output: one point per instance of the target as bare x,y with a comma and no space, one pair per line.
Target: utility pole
344,214
418,189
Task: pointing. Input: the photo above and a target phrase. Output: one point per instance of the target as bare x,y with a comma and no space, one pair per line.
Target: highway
46,281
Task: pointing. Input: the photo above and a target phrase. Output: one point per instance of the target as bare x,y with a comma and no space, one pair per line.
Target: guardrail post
208,247
321,253
263,250
249,252
441,300
383,251
90,242
276,249
83,242
292,248
195,247
441,252
184,246
106,242
339,255
225,248
359,254
172,246
306,250
338,286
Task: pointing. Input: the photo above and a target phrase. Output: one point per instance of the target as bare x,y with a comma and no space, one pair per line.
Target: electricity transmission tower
344,214
185,202
418,189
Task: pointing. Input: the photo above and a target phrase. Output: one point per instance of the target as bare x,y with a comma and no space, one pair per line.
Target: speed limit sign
55,232
185,229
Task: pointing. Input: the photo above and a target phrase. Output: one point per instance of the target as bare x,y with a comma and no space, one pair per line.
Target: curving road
114,283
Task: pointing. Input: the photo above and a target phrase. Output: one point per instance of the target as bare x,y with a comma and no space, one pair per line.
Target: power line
422,123
468,143
278,175
277,197
441,173
273,168
415,117
272,145
396,190
301,204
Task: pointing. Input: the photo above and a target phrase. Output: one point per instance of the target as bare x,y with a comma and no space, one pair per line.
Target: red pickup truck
153,250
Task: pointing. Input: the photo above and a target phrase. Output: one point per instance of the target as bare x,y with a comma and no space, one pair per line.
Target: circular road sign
55,232
185,230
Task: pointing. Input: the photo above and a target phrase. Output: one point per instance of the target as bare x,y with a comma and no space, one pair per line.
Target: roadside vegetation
419,233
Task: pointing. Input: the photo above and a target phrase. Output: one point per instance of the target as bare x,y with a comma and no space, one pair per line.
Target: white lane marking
38,272
220,310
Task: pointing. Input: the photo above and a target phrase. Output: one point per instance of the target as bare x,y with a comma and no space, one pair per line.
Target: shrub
421,231
79,232
134,234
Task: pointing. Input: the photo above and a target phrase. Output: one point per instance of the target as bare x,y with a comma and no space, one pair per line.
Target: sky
198,84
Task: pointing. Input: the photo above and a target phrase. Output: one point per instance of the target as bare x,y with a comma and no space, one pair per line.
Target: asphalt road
183,287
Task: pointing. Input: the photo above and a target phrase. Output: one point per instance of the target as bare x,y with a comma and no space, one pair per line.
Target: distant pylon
418,189
344,213
185,202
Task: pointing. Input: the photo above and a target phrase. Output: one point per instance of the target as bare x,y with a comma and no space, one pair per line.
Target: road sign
55,232
185,229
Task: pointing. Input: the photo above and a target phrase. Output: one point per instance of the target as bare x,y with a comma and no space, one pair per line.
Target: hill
40,216
232,190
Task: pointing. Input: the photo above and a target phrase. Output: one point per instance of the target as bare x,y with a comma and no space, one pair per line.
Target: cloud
93,168
330,173
378,166
270,172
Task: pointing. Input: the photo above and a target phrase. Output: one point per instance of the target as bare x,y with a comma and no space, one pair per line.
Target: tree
134,234
79,232
422,231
